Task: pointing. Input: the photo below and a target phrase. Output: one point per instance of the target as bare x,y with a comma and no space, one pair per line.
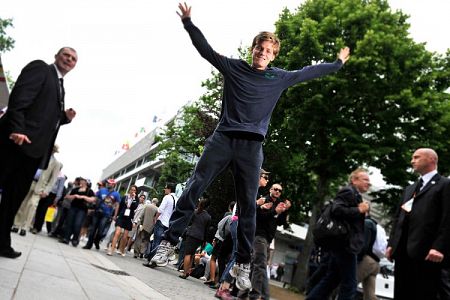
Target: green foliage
175,170
6,42
388,100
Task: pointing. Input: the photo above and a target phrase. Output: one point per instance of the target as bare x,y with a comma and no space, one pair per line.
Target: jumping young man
250,94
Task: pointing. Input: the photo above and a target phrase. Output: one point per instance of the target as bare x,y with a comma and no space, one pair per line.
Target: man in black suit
420,238
28,132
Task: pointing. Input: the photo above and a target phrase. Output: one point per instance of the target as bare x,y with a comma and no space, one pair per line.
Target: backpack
330,233
380,243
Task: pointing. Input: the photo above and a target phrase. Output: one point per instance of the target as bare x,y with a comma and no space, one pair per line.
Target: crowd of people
31,181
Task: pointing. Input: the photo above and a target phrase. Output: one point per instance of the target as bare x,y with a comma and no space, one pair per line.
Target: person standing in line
145,224
79,197
162,218
196,235
269,214
368,263
39,191
28,132
223,292
108,201
52,198
419,242
349,207
249,97
138,211
124,218
63,207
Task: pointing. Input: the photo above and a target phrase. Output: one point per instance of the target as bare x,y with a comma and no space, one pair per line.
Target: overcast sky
136,60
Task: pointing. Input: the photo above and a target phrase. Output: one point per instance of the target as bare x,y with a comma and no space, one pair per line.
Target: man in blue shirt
108,200
250,94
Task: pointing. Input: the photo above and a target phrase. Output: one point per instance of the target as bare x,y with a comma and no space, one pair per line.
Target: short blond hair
355,173
267,36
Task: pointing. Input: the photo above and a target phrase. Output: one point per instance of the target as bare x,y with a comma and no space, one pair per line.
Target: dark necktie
61,99
418,186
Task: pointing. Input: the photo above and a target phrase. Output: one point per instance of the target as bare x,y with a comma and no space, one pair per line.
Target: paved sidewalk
51,270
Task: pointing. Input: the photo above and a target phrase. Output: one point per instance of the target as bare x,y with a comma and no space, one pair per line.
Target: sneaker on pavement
223,294
242,272
163,253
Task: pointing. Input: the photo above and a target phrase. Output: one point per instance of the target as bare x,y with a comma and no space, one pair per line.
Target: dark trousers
415,279
97,228
60,220
75,220
444,291
245,158
260,282
41,209
16,174
341,270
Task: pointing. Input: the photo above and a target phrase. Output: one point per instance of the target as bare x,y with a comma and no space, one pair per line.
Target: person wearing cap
28,131
40,189
108,201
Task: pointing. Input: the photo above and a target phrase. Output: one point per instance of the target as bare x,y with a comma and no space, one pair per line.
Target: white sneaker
242,274
164,252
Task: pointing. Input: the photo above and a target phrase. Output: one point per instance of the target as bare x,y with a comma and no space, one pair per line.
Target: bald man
420,239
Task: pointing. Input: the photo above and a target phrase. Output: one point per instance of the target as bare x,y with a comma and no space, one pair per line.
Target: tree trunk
301,273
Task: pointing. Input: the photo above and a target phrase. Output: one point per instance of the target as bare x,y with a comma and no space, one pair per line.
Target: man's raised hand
344,54
185,11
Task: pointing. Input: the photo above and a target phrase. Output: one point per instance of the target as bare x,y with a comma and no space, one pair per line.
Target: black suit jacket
36,109
428,222
345,208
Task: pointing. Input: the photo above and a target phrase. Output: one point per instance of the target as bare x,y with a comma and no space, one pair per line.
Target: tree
387,100
6,42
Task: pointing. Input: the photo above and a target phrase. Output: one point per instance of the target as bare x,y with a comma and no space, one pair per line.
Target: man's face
263,180
361,182
275,191
422,162
166,191
66,60
262,55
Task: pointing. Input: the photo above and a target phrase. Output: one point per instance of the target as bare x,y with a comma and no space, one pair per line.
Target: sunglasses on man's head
265,177
277,190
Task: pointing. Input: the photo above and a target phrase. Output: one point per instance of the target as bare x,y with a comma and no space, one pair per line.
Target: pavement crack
115,272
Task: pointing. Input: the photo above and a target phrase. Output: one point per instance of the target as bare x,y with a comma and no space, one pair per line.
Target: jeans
158,232
245,158
260,282
75,220
341,270
99,222
226,273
